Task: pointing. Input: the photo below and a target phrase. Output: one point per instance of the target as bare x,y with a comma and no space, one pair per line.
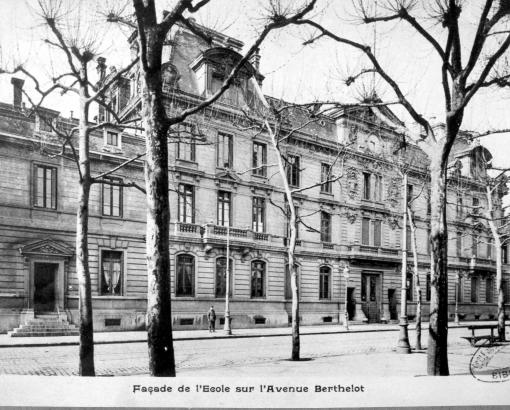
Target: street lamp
346,313
403,337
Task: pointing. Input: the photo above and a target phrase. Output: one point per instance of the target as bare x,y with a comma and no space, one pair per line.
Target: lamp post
346,313
226,325
457,291
403,337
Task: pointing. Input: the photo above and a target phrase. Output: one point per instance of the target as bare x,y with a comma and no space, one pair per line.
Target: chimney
101,68
255,59
17,90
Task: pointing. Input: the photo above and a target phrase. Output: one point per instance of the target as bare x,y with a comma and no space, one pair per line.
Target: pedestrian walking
211,315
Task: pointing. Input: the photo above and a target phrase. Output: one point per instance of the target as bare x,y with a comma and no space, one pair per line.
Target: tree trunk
159,317
296,345
86,366
416,278
437,349
490,214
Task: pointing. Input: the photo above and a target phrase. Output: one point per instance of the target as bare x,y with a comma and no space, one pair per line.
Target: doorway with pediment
45,283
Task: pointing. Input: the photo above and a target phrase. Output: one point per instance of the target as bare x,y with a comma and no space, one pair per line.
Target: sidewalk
141,336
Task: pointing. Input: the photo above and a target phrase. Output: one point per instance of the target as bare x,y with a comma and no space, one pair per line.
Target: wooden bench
473,338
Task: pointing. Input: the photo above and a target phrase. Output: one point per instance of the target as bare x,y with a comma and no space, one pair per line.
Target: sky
292,71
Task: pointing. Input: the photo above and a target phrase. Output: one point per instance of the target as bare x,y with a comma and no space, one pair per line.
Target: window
258,214
325,227
111,273
221,277
476,204
410,196
186,142
427,287
45,123
326,176
45,187
224,208
231,94
372,187
112,138
409,286
287,220
489,290
460,206
428,242
504,253
408,239
365,231
474,289
185,279
224,151
293,170
325,282
377,233
370,232
460,289
459,243
489,248
259,160
258,273
186,206
112,197
474,246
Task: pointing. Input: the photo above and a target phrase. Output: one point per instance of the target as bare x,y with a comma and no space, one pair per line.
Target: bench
473,338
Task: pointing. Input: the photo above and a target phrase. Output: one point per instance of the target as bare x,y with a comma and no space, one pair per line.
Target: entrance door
370,291
44,287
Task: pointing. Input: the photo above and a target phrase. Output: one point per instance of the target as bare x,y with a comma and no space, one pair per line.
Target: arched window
325,282
258,277
221,277
185,275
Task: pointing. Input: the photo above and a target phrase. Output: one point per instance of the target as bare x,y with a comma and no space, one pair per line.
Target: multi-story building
225,188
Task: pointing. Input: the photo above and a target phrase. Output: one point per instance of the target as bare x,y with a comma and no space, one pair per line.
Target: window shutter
377,233
365,234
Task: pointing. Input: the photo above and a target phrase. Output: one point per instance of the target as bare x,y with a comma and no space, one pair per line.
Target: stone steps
45,325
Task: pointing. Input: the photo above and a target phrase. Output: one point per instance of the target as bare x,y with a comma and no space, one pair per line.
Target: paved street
367,353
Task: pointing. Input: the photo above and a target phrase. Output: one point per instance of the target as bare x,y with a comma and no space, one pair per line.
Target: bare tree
78,53
461,81
151,36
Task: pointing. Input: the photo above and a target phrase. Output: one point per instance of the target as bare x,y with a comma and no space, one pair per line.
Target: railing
259,236
184,227
327,245
388,251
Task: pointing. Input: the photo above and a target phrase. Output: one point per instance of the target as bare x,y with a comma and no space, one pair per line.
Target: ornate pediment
47,247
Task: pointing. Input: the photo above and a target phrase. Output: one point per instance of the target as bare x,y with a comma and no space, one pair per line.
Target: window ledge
186,163
111,149
327,194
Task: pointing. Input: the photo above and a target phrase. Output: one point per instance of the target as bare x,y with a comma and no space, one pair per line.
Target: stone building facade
225,188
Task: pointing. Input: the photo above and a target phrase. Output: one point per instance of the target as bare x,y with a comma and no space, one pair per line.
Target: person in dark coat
211,315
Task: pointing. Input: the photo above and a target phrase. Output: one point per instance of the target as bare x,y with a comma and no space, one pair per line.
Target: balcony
217,233
375,252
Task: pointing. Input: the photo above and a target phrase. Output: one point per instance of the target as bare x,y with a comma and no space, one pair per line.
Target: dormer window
45,123
112,138
213,67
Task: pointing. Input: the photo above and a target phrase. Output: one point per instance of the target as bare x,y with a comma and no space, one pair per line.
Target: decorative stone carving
393,193
393,222
352,182
351,216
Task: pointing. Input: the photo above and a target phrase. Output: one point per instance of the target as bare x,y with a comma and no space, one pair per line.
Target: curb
219,337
